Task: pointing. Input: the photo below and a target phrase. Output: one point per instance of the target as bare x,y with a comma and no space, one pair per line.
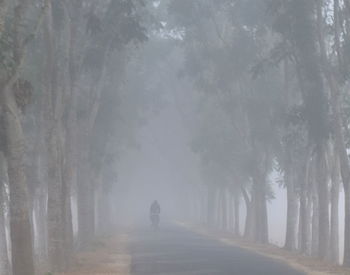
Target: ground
108,255
308,265
182,249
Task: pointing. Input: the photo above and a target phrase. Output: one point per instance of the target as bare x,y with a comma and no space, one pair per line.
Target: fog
174,137
163,168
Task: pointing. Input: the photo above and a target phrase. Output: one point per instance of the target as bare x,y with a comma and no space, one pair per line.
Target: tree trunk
20,224
53,113
264,216
86,198
67,182
41,226
309,223
323,201
70,165
248,228
315,222
4,256
260,209
335,210
236,216
39,178
54,210
304,220
69,179
346,260
292,212
104,212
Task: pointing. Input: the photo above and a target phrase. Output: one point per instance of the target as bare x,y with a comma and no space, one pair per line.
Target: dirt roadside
308,265
108,255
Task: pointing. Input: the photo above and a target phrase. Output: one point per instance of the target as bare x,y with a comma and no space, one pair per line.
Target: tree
13,89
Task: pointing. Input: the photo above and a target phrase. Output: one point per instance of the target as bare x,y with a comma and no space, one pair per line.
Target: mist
174,137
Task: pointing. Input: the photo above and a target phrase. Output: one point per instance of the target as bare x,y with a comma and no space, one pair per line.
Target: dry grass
305,264
108,255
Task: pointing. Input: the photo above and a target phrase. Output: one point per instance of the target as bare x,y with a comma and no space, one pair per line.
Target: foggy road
174,250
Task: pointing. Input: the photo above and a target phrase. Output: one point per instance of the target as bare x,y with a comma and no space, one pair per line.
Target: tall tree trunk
55,201
292,214
248,227
260,209
56,210
69,177
309,223
20,224
68,238
335,176
344,168
4,256
86,198
346,260
304,220
70,166
236,216
40,180
315,220
40,208
264,215
323,195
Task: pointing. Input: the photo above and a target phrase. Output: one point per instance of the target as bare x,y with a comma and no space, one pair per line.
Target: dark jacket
155,208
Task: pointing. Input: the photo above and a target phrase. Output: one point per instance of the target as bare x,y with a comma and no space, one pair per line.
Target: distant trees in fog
274,82
269,80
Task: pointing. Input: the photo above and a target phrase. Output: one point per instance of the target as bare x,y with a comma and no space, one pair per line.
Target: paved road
174,250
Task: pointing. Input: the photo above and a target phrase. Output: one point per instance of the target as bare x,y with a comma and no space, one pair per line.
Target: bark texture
4,256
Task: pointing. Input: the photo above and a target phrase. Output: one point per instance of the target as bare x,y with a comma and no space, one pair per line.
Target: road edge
308,265
108,255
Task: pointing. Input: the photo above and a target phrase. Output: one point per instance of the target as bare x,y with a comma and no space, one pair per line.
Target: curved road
173,250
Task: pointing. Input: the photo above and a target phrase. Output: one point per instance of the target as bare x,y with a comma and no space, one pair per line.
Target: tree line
269,81
272,78
63,71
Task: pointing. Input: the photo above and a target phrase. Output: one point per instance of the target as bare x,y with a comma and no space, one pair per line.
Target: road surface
174,250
